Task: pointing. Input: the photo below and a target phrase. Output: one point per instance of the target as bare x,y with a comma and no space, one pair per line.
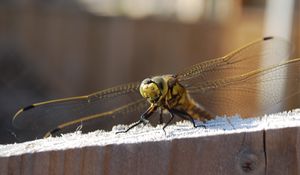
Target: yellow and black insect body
236,83
166,93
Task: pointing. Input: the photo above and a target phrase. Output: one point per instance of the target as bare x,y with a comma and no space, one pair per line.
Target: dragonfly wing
118,105
240,61
250,94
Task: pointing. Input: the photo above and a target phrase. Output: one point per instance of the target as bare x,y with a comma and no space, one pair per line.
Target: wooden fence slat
246,146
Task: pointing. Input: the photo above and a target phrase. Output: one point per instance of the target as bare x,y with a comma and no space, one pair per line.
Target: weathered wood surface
270,145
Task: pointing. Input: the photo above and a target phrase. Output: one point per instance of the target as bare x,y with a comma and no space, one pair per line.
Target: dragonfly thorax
154,89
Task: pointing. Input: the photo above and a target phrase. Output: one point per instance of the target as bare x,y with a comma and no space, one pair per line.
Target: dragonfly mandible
200,92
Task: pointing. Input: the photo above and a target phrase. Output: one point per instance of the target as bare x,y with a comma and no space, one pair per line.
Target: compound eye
160,82
150,90
146,81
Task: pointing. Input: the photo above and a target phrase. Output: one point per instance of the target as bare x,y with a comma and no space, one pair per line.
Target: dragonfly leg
143,119
172,117
161,120
185,116
132,126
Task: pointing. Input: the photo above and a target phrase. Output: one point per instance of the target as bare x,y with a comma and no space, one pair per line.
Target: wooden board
270,145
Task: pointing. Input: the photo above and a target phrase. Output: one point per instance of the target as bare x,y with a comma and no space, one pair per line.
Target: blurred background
55,49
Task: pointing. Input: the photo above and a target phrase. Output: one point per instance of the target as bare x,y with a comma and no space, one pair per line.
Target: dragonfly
236,83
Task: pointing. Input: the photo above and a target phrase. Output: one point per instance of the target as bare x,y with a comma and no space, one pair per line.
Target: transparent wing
101,110
238,62
251,94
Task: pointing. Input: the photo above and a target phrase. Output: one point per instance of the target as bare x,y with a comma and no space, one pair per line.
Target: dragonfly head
154,89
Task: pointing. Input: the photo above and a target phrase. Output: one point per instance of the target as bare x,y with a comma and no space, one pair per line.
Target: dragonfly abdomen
196,111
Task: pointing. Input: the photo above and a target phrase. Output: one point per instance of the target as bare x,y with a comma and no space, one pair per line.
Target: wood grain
213,151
